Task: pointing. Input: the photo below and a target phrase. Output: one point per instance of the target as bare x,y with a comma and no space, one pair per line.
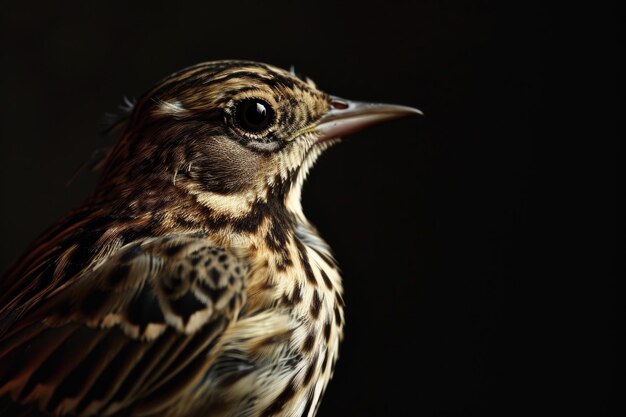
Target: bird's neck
288,258
268,220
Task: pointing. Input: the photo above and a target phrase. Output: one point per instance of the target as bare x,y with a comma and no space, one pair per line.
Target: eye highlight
254,115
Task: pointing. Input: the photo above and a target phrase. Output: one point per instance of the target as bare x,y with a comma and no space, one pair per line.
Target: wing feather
133,333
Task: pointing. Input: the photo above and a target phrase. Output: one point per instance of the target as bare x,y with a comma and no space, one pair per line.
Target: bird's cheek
225,167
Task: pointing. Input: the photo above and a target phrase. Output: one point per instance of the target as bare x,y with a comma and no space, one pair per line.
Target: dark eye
254,115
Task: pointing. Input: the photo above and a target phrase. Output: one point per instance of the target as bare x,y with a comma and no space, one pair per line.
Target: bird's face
235,133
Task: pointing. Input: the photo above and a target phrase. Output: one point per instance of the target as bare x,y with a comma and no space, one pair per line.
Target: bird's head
234,134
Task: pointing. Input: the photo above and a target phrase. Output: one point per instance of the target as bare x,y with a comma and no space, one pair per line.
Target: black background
477,243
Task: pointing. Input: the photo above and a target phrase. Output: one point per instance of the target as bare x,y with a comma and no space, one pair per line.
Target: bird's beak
346,117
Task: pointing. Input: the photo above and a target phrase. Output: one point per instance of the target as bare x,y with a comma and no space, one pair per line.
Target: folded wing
132,334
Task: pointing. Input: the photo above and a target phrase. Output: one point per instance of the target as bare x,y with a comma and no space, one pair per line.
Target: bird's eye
254,115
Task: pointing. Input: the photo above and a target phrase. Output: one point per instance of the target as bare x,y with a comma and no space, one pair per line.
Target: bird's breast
278,357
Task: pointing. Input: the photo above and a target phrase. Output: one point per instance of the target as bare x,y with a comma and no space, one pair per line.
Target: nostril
339,105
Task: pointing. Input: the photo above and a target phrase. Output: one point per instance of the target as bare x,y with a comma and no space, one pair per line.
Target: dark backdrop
477,243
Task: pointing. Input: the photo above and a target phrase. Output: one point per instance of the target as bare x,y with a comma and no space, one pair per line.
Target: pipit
190,283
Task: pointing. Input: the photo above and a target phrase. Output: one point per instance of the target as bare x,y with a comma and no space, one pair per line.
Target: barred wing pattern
131,335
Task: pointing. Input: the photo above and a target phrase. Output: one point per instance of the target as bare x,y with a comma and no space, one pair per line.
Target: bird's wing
133,333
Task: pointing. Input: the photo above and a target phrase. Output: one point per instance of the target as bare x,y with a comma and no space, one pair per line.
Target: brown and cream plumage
190,283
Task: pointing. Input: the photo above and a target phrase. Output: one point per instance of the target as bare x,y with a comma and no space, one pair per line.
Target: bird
189,283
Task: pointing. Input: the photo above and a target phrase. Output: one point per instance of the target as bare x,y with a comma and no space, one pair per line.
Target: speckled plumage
190,283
